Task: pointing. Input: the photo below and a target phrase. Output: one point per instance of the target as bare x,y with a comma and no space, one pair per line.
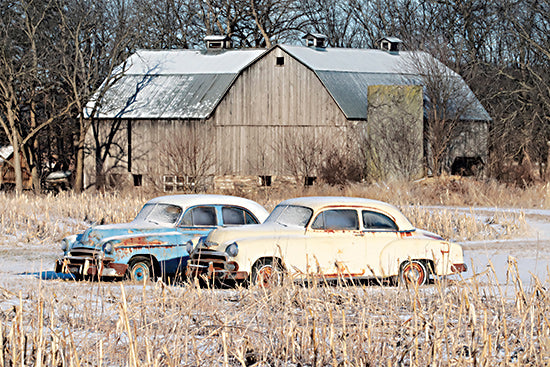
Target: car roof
186,201
321,202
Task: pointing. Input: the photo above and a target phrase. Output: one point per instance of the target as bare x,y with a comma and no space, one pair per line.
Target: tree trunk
17,167
79,174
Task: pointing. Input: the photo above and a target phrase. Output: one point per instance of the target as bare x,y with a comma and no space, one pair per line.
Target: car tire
140,270
413,273
267,273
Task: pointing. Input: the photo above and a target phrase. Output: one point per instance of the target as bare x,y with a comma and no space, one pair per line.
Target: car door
379,230
334,242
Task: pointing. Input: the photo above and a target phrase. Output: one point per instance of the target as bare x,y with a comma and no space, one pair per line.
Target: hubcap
267,276
413,273
140,272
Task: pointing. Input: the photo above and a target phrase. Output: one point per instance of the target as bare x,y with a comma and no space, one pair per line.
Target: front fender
164,247
252,249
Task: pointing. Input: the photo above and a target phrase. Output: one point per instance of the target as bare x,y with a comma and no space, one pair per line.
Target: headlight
189,246
232,250
68,242
64,245
108,248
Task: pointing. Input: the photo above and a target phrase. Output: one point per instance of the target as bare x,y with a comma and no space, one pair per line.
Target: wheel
266,273
140,270
413,272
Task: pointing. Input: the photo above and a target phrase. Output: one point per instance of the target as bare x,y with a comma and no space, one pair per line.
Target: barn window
265,180
173,183
309,181
138,180
280,61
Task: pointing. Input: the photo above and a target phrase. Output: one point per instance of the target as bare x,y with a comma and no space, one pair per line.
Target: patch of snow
169,62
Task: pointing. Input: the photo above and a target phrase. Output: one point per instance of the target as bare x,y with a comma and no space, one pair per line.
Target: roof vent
217,42
315,40
390,44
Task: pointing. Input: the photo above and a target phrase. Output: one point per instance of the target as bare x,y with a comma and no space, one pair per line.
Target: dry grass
47,219
44,219
446,190
460,324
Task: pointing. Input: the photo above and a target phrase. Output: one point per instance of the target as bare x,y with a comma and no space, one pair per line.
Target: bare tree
89,56
190,157
26,93
334,19
277,20
303,153
447,102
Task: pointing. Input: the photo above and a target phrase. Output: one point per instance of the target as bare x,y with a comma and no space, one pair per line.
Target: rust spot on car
119,268
344,274
140,241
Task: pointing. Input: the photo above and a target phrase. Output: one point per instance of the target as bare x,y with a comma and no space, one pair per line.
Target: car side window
233,216
250,219
336,219
237,216
200,216
377,221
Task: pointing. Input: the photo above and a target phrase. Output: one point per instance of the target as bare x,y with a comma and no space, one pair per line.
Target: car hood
95,235
224,235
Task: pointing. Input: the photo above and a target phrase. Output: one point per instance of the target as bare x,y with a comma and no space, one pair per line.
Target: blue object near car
158,241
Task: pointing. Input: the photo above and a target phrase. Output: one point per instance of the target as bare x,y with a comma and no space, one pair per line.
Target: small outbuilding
7,171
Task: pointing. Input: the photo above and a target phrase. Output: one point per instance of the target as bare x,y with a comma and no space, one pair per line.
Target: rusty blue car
158,241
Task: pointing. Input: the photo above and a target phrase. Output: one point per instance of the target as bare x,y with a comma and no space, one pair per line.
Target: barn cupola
390,44
315,40
214,42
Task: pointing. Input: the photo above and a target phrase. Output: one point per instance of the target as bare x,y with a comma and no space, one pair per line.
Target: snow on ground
531,253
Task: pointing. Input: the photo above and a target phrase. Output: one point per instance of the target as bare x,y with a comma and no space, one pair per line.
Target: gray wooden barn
226,117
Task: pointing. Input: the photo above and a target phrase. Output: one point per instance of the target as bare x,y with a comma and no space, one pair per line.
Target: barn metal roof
172,84
190,84
164,96
347,73
5,153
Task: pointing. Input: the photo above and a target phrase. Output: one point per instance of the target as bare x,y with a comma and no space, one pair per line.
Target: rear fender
435,251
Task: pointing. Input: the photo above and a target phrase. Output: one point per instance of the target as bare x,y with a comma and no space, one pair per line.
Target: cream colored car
323,238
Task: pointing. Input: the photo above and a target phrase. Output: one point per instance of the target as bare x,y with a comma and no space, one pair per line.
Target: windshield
290,215
159,213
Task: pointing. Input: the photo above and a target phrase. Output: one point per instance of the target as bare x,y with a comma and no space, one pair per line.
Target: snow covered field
476,321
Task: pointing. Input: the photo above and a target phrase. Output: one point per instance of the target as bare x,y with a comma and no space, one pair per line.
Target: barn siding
267,103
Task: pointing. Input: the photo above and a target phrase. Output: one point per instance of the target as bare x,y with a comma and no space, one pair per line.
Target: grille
202,258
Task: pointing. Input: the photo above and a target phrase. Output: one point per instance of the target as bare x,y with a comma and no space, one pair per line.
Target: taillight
459,268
